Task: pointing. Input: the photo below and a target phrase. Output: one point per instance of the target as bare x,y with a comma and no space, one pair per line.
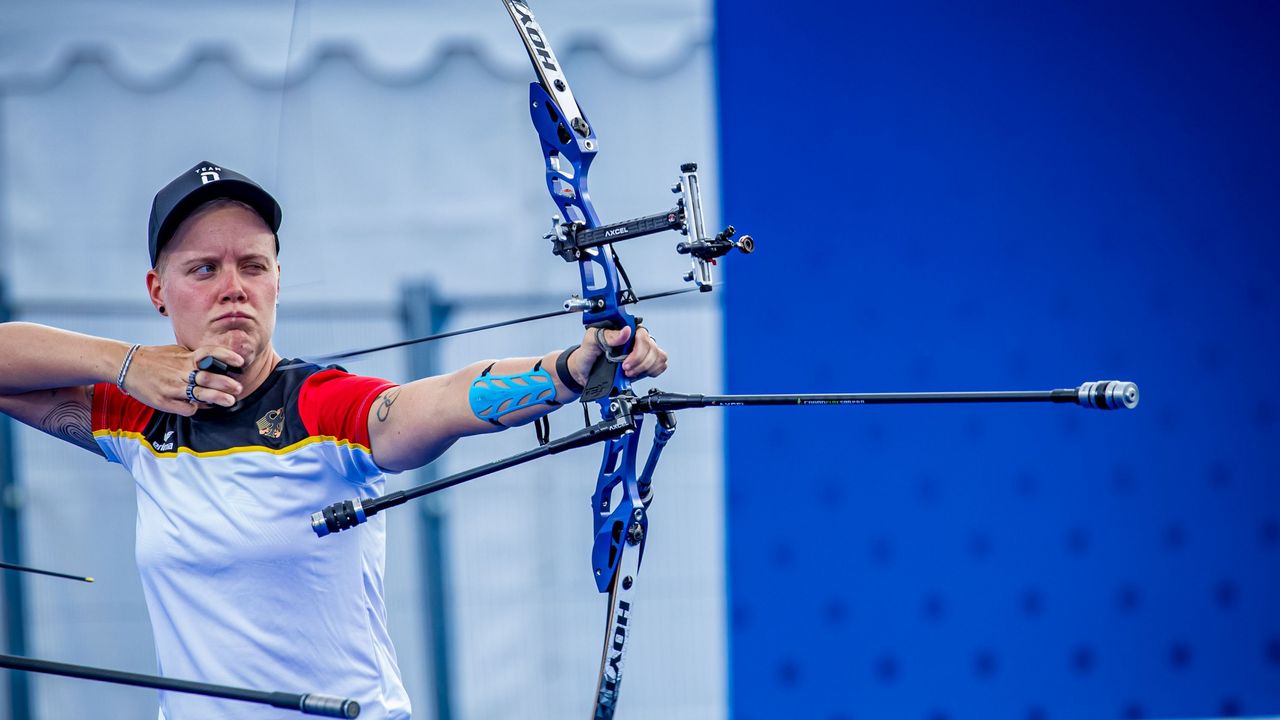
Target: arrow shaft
38,571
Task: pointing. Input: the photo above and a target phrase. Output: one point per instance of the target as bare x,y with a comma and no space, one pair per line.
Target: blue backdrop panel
953,196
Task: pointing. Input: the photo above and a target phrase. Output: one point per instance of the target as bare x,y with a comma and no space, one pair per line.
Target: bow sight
570,240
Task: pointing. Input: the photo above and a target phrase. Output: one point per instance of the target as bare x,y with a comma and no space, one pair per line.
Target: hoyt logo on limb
613,676
534,34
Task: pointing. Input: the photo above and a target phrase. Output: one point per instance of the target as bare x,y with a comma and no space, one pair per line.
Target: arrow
38,571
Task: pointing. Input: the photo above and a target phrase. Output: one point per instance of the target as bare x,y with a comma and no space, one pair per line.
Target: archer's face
219,281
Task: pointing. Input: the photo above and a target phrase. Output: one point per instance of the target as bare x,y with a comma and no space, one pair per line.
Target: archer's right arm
37,357
47,377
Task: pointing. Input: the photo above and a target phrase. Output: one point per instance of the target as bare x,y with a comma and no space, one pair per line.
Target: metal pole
426,314
14,583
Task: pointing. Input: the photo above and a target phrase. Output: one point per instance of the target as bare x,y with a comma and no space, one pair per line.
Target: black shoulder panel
266,419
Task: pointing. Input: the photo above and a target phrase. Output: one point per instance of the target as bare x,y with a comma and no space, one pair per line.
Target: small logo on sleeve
271,424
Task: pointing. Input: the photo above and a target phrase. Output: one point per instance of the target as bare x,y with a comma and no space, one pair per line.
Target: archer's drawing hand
159,376
645,360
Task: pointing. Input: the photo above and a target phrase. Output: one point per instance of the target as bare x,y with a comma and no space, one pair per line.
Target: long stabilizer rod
1101,395
339,516
308,704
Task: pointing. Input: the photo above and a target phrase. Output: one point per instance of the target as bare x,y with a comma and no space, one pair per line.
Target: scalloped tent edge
266,46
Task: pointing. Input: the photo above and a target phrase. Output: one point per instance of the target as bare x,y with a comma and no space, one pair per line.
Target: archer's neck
257,372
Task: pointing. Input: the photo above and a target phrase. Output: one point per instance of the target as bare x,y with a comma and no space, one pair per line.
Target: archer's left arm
413,424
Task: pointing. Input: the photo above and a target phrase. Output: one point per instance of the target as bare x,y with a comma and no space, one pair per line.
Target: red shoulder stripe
335,403
117,412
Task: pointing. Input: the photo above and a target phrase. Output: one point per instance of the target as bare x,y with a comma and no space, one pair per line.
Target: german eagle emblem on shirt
271,424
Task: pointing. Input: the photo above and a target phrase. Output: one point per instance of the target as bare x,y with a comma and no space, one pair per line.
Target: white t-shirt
240,590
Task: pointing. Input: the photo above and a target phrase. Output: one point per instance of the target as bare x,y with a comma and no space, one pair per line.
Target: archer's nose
233,290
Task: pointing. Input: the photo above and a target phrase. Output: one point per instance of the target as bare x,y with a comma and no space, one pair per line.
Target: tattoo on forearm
385,401
70,421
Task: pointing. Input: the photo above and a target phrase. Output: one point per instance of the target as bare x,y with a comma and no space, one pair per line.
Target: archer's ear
154,290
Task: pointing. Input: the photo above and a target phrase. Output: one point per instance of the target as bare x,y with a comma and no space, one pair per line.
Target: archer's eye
202,269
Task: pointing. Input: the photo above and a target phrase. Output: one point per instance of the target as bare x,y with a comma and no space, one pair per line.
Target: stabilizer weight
338,517
329,706
1108,395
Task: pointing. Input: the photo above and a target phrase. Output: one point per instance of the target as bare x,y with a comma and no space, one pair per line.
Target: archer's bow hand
645,360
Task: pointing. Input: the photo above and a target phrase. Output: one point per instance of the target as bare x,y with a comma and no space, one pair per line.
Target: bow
622,496
568,146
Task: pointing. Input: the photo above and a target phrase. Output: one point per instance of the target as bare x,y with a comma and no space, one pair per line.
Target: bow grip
606,373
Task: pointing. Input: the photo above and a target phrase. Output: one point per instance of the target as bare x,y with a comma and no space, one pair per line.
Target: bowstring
284,90
347,354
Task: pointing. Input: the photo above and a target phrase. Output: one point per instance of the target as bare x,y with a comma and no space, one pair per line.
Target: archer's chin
245,344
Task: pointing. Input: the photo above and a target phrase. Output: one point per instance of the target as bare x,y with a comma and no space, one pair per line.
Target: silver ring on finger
191,393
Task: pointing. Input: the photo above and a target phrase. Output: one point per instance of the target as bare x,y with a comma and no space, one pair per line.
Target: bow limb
569,145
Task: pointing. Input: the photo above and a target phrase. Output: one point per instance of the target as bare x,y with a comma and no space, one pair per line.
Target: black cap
200,184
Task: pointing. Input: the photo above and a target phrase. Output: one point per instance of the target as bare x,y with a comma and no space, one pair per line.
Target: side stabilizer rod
347,514
308,704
